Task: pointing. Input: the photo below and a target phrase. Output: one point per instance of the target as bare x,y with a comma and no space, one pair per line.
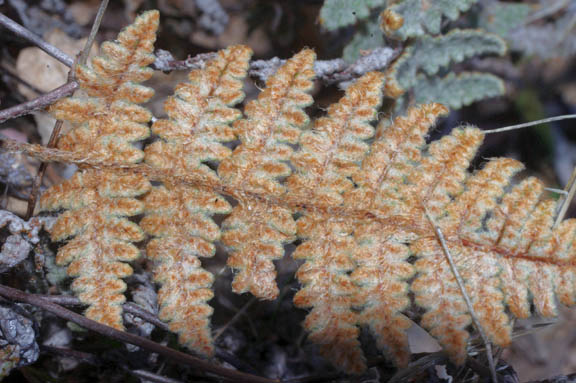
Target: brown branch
148,376
25,33
95,27
69,353
165,62
38,103
327,71
41,170
94,360
176,356
131,308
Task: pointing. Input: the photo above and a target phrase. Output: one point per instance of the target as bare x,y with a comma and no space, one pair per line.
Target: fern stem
532,123
462,288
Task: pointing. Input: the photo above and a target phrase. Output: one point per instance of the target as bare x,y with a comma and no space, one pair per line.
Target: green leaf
340,13
429,54
456,91
501,18
423,16
368,37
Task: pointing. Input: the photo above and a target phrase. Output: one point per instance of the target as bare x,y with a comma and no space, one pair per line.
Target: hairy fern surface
330,153
365,203
255,232
106,119
179,217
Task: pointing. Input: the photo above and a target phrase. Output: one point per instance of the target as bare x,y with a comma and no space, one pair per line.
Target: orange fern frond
180,217
330,152
370,207
505,253
105,123
256,232
380,250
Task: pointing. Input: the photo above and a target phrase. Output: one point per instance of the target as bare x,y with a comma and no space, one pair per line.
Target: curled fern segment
256,232
180,217
105,123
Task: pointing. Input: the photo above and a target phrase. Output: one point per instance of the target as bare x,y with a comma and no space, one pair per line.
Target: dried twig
531,123
462,288
69,353
566,199
165,62
94,360
95,27
240,312
38,103
328,71
68,300
148,376
176,356
25,33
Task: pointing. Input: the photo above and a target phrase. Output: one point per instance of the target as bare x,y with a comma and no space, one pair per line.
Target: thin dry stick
41,170
532,123
38,103
571,190
58,125
462,288
134,309
25,33
176,356
148,376
94,360
558,191
240,312
327,71
90,41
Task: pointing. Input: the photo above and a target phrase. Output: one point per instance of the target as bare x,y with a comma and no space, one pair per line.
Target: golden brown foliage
180,217
367,202
105,122
255,232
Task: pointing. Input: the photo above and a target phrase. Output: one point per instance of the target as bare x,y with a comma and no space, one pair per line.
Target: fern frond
429,54
96,204
506,253
411,18
335,14
255,232
368,202
329,154
107,120
105,123
456,91
381,252
180,217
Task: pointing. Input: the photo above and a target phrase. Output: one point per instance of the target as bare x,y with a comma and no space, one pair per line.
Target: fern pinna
366,204
106,119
